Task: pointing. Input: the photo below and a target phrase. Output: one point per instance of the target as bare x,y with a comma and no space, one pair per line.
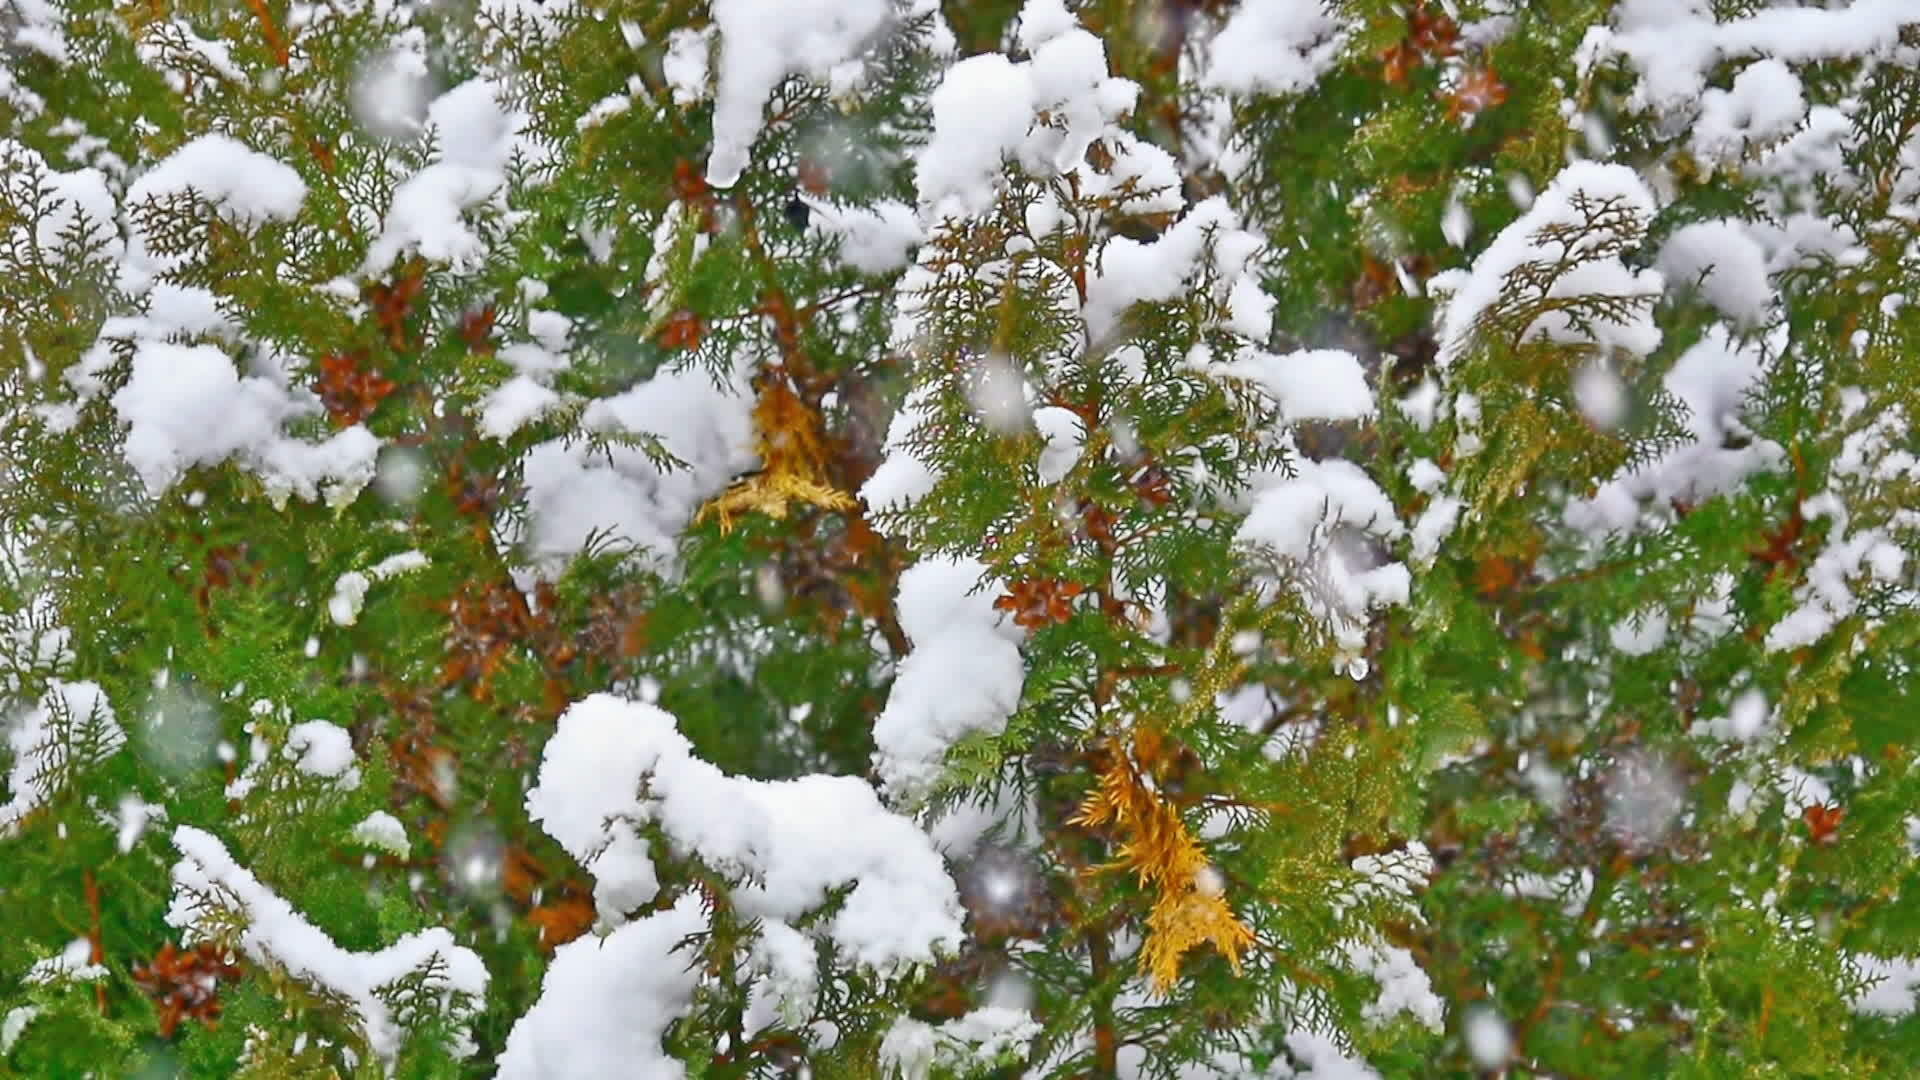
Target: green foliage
1517,787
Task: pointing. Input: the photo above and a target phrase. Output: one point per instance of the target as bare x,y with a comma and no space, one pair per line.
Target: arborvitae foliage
859,538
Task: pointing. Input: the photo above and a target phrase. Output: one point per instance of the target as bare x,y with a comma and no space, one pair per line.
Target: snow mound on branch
764,41
963,676
606,1002
1764,104
1312,384
1132,272
1895,991
187,406
988,110
1275,47
1673,46
1571,241
977,1040
1728,264
247,188
903,478
212,893
615,766
476,136
69,197
576,491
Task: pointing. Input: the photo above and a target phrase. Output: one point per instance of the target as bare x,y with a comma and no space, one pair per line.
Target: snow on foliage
244,186
1275,47
1567,245
1322,525
217,899
987,108
1672,46
1313,384
576,489
764,41
186,406
72,727
963,676
616,767
76,206
1724,260
980,1039
1131,271
605,1002
476,136
1712,380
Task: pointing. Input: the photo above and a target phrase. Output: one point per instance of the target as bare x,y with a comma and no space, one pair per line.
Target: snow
1279,47
1131,272
605,1003
70,964
212,893
349,595
981,113
15,1024
1749,718
71,728
1403,986
1313,524
1065,436
790,986
903,478
1893,994
394,565
1764,104
1600,395
70,198
1828,592
764,41
1313,384
1489,1039
37,25
685,67
187,406
1591,214
1712,380
1641,633
513,405
987,108
1434,525
1043,20
615,766
1672,46
575,490
964,675
384,831
977,1040
246,187
877,239
323,749
475,137
391,91
131,819
1321,1058
1292,516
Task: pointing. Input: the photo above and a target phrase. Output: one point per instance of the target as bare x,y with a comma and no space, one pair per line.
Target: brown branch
97,954
269,30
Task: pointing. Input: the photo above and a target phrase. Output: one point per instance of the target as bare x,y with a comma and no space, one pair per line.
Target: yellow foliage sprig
1163,856
793,459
